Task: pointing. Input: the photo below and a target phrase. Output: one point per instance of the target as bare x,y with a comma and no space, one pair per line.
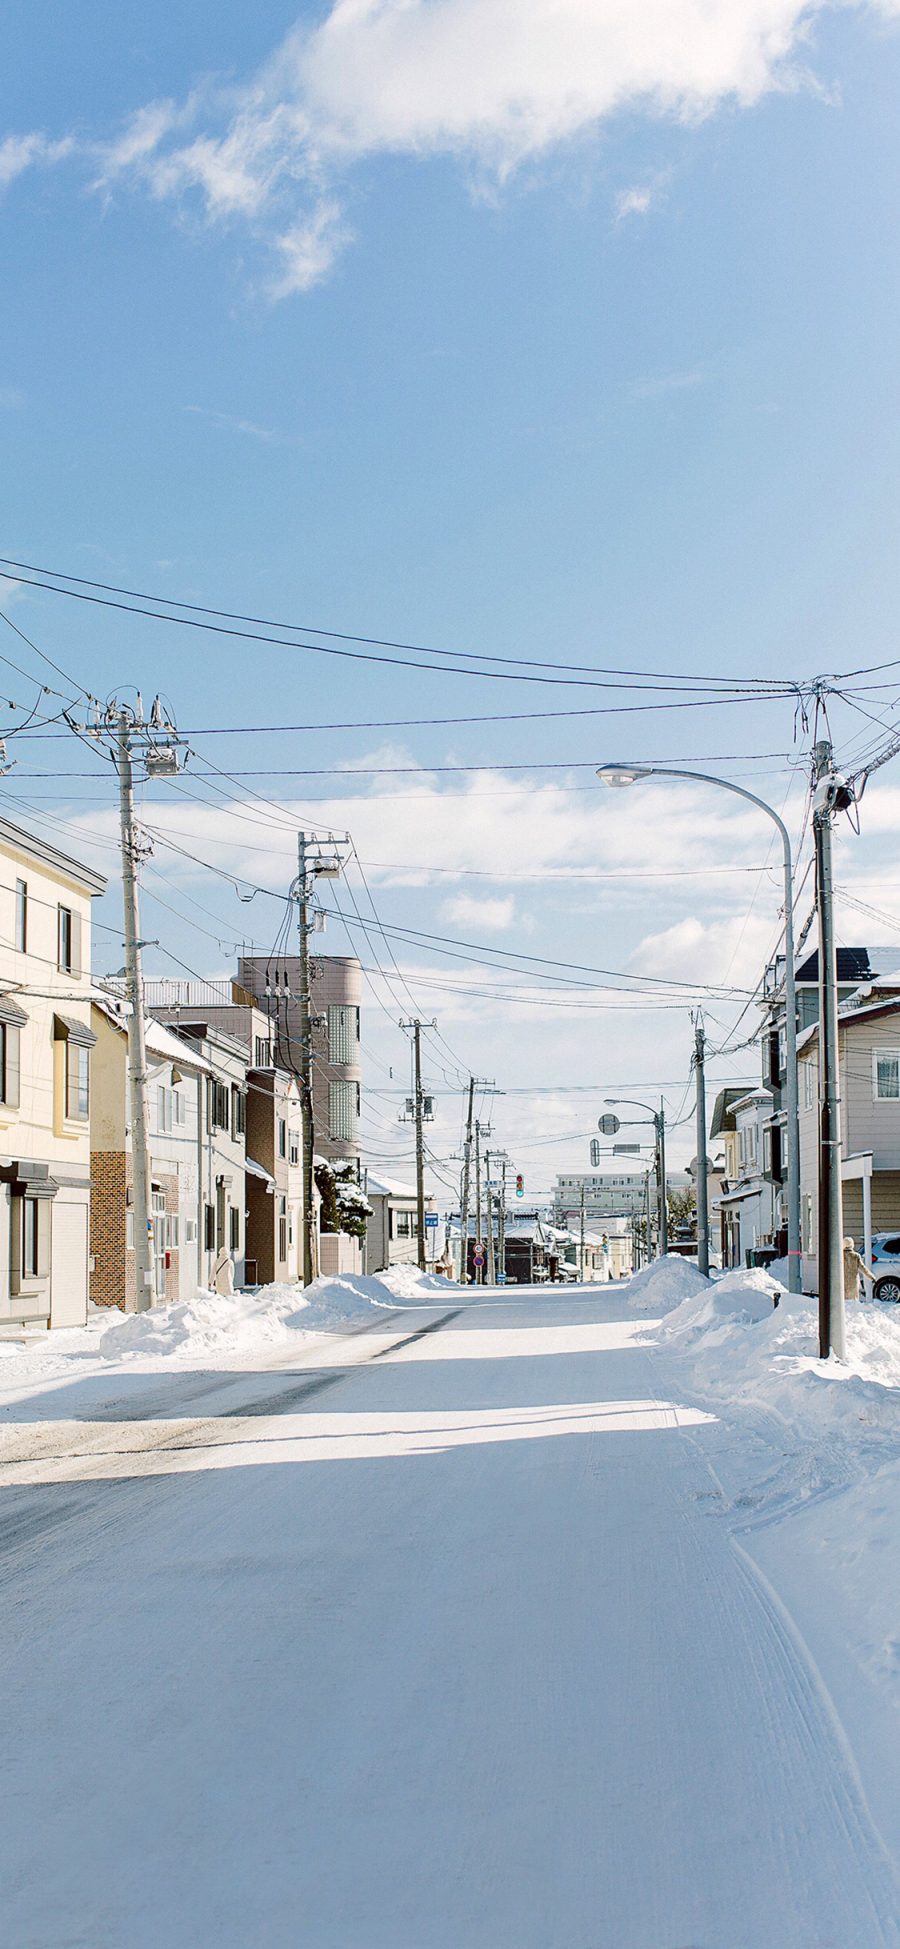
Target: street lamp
622,775
658,1119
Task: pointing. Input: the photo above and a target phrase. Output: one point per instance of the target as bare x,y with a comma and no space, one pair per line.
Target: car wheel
888,1288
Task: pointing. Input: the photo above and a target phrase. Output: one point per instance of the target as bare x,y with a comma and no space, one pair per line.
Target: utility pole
702,1181
307,1126
581,1247
490,1267
661,1160
464,1201
479,1269
501,1224
312,863
137,1038
154,742
832,1338
418,1114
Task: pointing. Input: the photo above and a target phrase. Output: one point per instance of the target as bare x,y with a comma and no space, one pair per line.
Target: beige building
46,1041
336,991
869,1057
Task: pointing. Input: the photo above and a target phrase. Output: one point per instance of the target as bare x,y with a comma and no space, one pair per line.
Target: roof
721,1118
389,1188
160,1041
20,841
848,1016
853,964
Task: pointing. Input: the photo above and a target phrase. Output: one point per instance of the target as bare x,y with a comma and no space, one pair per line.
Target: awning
26,1179
256,1171
67,1028
11,1013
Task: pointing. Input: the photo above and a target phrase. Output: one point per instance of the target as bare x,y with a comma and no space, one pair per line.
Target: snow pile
665,1283
742,1349
407,1282
212,1323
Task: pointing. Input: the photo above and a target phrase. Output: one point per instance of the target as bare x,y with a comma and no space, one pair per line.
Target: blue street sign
431,1218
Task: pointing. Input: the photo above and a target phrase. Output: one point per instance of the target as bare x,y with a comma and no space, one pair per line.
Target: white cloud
658,385
264,433
633,202
309,249
21,152
491,916
495,83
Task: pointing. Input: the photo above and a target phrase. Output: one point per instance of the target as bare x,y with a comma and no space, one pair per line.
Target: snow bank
212,1323
665,1283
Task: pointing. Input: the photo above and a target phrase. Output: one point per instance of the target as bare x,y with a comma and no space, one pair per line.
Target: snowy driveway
435,1637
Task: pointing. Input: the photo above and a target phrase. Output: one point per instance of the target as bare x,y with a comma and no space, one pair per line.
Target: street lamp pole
658,1119
629,775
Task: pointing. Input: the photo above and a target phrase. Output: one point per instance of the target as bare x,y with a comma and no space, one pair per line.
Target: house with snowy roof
196,1105
869,1070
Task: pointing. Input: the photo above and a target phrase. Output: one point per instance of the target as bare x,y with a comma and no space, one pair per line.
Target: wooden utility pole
464,1203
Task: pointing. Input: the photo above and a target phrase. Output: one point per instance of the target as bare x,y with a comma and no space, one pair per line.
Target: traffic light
520,1186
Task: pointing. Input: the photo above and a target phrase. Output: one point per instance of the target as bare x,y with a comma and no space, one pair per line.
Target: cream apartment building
45,1079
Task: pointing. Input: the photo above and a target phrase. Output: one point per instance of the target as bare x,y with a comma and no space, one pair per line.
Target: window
343,1032
234,1229
171,1109
886,1074
35,1242
218,1104
209,1227
78,1071
68,941
10,1063
282,1228
22,915
263,1053
282,1141
295,1151
238,1112
405,1224
343,1110
173,1230
190,1231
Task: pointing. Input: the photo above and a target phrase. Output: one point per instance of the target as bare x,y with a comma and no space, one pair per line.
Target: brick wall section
107,1232
112,1280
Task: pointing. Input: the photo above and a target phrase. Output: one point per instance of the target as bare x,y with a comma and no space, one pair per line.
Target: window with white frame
171,1109
886,1075
10,1063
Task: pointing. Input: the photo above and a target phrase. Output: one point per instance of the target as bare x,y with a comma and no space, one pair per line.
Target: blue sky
590,355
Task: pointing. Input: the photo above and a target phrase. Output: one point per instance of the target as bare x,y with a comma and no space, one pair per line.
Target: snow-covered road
432,1638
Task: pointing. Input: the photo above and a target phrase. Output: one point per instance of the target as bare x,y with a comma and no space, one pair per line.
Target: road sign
608,1125
595,1151
431,1219
478,1255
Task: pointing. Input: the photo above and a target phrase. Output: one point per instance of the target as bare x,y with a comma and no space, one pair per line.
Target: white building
45,1079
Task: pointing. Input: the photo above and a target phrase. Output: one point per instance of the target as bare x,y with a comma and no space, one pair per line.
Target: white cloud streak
496,83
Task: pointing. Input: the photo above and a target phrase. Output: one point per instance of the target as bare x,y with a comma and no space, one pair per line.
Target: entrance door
220,1218
158,1222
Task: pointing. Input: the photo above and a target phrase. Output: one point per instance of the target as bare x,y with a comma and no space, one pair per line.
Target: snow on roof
389,1188
160,1041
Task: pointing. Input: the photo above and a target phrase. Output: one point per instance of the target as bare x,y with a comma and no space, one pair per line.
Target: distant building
392,1233
336,991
